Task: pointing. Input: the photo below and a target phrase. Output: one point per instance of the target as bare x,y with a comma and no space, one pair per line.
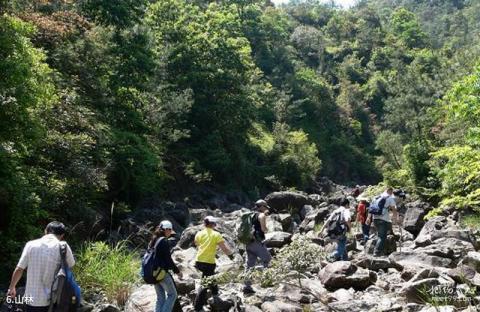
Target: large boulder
188,237
413,219
142,299
277,239
376,264
287,202
389,246
279,306
440,228
344,274
416,259
472,260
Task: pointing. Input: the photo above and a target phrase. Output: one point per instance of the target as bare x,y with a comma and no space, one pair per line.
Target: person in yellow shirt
207,241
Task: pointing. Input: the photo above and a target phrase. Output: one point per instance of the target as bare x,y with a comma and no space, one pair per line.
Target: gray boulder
413,219
376,264
344,274
414,259
277,239
280,306
188,236
472,260
287,202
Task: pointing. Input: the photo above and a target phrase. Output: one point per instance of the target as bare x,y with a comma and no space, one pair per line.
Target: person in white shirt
346,216
382,222
41,258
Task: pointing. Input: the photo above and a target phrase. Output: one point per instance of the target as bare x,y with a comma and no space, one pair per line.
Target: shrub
111,270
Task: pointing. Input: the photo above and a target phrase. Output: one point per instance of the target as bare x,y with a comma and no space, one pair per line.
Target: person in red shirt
362,217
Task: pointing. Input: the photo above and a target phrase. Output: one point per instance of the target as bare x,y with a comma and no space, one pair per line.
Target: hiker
362,216
165,289
382,221
256,249
41,258
338,224
207,241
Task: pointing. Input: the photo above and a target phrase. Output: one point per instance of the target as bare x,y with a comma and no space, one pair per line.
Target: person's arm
395,215
225,248
262,218
16,276
163,252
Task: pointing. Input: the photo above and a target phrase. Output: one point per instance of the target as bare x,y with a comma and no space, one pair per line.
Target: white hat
262,203
210,219
166,225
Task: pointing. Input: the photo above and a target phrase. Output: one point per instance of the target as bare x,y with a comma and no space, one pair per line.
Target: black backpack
336,225
65,292
151,272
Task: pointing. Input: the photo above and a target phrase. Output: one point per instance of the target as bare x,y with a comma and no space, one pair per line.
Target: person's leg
201,297
160,297
341,253
365,232
382,228
251,255
171,292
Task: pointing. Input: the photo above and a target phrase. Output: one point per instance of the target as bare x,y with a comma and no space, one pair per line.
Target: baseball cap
210,219
261,202
166,225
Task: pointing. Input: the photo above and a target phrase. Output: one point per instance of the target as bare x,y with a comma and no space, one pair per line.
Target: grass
471,221
110,270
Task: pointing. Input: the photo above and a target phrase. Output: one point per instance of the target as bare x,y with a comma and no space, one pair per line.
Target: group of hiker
41,257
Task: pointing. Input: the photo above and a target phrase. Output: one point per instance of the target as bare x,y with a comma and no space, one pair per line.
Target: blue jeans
341,252
166,294
365,232
382,230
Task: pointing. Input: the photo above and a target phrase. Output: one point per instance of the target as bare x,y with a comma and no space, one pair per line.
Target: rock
389,247
109,307
418,291
459,247
443,251
286,221
472,260
376,264
287,202
251,308
277,239
142,299
305,211
462,273
344,274
413,219
279,306
439,309
185,286
222,302
188,236
342,295
409,258
273,225
156,210
441,228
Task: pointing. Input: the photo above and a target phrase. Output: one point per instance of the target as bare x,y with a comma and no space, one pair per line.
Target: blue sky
344,3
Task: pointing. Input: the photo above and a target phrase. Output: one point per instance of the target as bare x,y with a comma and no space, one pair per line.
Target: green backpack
245,232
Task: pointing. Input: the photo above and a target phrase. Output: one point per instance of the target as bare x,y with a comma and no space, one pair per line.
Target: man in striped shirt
41,258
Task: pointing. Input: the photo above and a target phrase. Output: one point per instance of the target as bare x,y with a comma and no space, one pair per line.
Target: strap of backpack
63,262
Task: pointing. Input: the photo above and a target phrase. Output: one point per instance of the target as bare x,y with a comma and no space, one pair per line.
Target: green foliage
470,221
111,270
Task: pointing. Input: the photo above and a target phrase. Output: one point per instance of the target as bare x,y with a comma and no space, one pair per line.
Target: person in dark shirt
165,289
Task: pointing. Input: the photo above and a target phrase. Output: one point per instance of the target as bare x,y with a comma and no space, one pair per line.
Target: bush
108,270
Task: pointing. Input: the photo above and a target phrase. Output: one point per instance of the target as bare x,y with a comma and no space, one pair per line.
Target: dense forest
115,101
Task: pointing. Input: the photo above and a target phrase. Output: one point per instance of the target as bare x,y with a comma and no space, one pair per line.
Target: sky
344,3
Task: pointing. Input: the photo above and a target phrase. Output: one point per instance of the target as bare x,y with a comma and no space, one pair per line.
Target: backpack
336,225
151,271
376,208
65,292
246,231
